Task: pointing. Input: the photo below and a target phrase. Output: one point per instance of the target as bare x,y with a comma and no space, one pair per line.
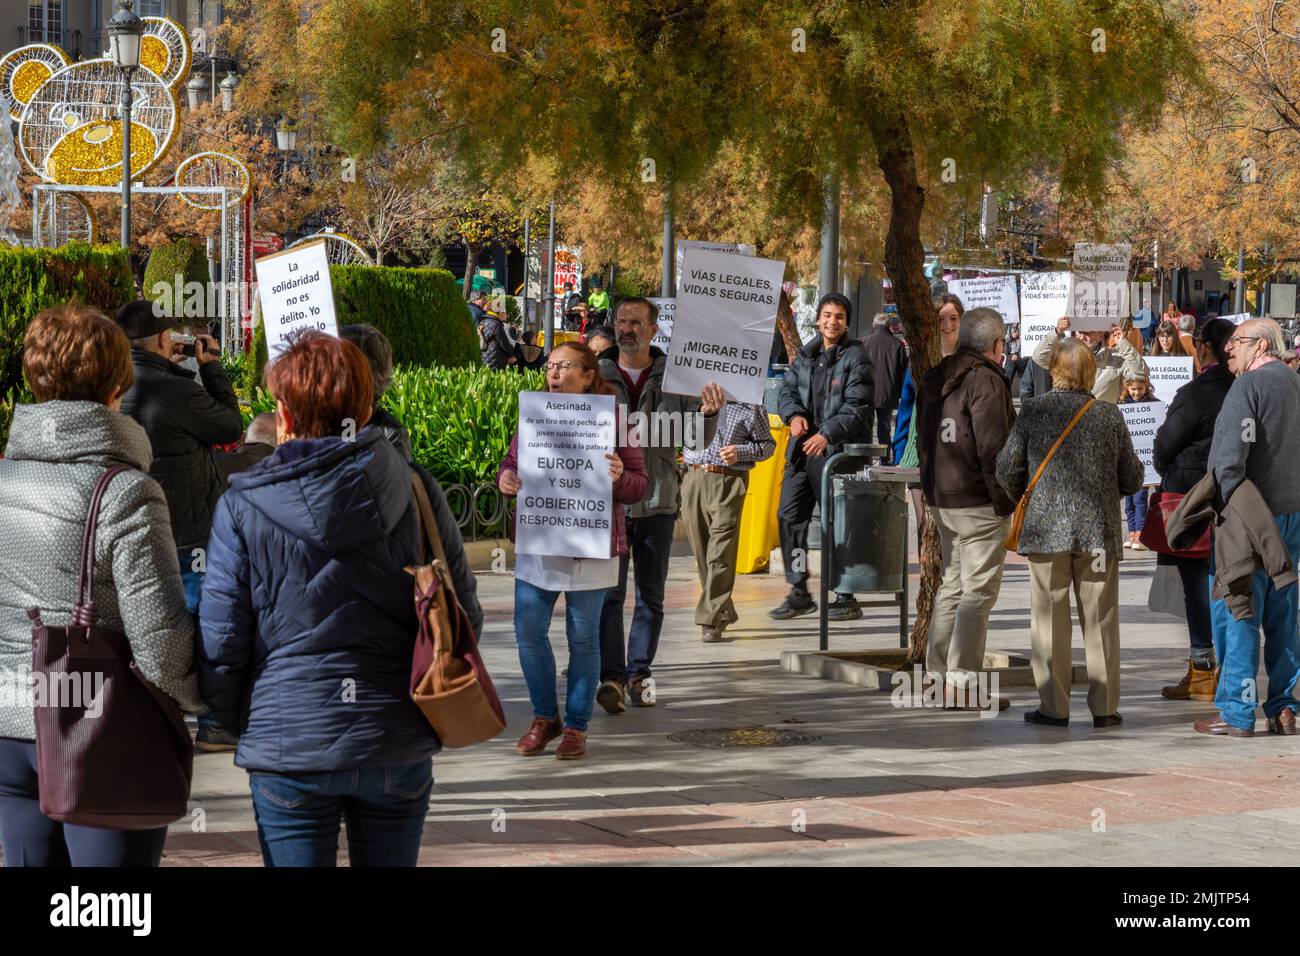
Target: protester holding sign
1181,456
1112,353
826,400
573,369
636,372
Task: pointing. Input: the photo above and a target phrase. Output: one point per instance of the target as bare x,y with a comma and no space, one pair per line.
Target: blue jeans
30,838
192,581
1135,510
650,542
1196,602
298,815
533,607
1237,642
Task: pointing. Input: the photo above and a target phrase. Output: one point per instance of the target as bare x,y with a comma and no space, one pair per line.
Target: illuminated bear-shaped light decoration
70,117
71,128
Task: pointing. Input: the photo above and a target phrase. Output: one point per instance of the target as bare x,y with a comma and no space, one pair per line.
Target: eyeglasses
1243,338
561,366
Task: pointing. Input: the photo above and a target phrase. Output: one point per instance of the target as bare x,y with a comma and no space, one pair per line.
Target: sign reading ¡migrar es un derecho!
722,331
565,506
295,292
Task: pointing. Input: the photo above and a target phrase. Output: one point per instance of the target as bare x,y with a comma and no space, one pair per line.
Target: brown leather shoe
573,746
1283,723
610,695
1215,727
540,733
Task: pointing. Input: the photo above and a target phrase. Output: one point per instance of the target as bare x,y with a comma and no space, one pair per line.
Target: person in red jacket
539,581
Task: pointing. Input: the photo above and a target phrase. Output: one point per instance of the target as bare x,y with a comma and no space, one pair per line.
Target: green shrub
24,397
181,257
34,279
420,310
460,419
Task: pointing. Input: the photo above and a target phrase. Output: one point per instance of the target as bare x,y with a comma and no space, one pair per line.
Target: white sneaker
1128,544
1138,546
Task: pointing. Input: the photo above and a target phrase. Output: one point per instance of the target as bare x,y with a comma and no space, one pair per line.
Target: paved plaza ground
880,785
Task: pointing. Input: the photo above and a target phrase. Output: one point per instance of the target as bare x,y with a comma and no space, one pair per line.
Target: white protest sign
685,245
1143,419
1169,373
295,292
667,312
994,292
1238,317
1281,300
1100,294
722,332
1044,300
565,506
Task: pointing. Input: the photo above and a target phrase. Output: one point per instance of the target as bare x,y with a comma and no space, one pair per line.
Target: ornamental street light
195,88
124,33
286,135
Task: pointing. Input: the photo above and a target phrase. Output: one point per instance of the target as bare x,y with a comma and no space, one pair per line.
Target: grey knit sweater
56,453
1257,436
1074,508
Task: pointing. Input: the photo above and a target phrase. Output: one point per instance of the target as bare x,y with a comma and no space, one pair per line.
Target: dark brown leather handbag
449,682
112,750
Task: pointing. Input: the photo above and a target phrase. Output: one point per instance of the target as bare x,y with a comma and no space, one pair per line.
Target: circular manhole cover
743,737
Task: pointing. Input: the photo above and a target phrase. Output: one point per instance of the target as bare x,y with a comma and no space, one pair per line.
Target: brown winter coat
1245,540
965,416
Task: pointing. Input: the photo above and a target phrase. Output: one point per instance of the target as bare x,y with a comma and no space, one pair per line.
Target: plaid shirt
744,426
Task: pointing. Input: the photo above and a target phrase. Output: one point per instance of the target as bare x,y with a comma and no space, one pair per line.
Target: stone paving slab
883,786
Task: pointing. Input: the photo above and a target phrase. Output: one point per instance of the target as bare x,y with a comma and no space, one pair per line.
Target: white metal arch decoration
25,70
212,169
341,250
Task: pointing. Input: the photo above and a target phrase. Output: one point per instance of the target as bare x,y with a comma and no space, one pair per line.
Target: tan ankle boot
1204,683
1195,685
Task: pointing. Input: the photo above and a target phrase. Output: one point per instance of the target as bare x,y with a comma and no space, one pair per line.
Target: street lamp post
124,33
286,138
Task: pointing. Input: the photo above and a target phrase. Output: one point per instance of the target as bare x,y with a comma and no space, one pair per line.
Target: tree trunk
905,264
471,263
786,327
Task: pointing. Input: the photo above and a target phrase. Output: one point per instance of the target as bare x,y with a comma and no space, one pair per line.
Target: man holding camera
184,418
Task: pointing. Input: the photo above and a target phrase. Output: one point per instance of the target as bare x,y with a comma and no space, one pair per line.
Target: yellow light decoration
25,70
212,169
91,154
165,49
154,54
71,131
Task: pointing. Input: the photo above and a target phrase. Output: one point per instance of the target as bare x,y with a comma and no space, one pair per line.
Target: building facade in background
78,25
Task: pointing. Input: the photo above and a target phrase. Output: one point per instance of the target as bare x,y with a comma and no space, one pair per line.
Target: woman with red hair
308,621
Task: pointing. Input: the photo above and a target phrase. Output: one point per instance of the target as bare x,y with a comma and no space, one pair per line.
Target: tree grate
727,737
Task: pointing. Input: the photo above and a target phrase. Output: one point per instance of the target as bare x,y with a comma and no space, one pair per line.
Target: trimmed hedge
34,279
181,257
420,310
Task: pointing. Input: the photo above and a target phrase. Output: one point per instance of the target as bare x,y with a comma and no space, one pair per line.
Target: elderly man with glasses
1257,439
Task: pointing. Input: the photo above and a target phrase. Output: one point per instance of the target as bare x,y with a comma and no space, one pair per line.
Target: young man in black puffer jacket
826,400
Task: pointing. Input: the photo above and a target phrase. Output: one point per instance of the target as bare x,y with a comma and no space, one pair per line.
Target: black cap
141,319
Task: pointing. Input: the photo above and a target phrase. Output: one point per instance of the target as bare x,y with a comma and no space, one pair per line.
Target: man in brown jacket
965,415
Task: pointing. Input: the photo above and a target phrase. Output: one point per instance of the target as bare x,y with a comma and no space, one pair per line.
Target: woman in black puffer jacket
1182,448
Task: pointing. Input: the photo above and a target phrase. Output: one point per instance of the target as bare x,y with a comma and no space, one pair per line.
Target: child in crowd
1136,389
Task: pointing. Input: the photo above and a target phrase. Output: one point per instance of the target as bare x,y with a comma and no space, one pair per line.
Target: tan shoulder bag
1018,519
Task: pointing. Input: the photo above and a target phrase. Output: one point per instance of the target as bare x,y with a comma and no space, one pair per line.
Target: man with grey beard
635,370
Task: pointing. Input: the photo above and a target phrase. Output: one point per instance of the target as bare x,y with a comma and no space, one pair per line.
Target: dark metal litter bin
864,541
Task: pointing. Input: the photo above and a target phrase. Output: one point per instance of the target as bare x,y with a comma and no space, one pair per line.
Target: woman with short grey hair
378,351
1071,532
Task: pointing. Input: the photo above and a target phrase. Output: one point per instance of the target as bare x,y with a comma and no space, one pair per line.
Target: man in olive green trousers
713,497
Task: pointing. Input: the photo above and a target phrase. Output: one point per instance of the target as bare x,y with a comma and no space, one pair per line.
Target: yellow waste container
758,528
560,337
